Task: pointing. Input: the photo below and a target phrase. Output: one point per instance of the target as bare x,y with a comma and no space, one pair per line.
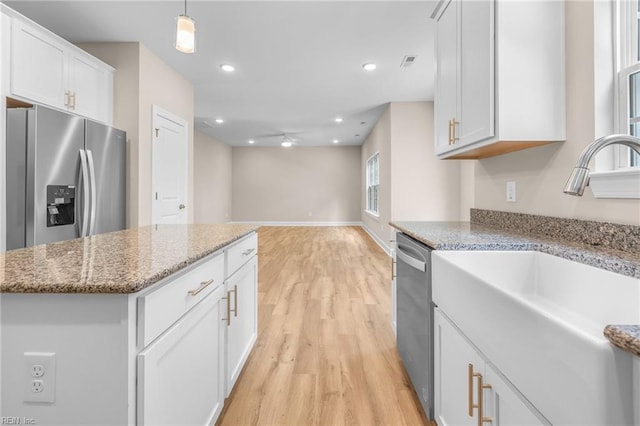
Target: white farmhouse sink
539,319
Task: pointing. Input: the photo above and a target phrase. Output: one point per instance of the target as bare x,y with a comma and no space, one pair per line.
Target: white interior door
169,168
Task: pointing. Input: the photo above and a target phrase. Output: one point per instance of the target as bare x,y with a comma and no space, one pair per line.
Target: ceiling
298,63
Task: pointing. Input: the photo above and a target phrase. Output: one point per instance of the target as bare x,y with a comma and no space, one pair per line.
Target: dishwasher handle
410,260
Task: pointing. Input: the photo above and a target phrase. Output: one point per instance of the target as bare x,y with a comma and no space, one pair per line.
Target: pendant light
185,32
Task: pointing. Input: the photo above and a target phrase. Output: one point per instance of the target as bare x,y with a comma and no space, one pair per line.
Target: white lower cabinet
242,323
468,389
180,375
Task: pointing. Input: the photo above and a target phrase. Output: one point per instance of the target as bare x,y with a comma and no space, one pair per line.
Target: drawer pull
235,300
248,252
228,318
203,285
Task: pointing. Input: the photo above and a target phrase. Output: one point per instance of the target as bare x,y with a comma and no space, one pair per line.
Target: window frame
627,64
374,186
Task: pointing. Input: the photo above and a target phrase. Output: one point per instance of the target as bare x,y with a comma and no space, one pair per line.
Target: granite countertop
473,236
118,262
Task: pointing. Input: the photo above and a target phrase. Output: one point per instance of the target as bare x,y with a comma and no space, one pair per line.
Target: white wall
212,180
540,173
298,184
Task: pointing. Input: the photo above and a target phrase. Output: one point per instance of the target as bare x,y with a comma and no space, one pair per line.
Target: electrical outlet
37,386
511,191
37,370
39,377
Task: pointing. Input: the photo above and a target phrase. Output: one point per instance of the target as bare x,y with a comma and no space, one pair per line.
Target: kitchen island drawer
241,252
160,308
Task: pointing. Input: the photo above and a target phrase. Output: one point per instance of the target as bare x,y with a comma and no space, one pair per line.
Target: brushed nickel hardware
203,285
228,318
182,207
157,130
235,300
579,178
248,252
450,128
66,98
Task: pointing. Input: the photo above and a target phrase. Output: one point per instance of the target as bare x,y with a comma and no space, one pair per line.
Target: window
628,78
373,184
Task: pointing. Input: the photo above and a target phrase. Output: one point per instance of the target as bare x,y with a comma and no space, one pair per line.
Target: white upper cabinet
46,69
500,76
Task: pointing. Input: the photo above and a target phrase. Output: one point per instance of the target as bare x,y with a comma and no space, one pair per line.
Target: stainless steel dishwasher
415,316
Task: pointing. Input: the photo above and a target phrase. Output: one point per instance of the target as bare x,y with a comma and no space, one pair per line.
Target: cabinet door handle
228,318
455,131
66,98
450,133
72,100
470,404
235,300
248,252
203,285
481,387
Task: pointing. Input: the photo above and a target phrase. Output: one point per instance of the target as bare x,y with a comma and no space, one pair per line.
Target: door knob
182,206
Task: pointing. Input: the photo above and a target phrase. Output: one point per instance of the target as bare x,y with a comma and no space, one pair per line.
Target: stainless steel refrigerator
65,177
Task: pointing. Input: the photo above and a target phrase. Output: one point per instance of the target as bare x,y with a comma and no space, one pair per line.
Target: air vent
408,60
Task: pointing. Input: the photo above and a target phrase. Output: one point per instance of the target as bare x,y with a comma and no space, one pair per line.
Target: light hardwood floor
325,353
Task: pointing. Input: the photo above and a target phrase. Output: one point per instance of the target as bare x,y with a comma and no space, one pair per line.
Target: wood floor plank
325,353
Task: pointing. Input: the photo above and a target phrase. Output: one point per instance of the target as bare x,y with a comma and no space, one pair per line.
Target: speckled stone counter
118,262
475,236
625,337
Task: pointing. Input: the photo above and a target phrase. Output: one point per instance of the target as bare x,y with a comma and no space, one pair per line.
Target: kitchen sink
539,319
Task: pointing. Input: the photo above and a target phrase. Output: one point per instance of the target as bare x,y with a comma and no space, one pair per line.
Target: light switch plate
511,191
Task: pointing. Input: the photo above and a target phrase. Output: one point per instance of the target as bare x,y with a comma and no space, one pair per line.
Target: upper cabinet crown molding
500,77
46,69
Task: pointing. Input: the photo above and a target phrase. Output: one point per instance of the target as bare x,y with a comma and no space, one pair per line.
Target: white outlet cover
511,191
33,361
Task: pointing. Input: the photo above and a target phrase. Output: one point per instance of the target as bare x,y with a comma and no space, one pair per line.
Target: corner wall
141,80
540,173
212,180
379,140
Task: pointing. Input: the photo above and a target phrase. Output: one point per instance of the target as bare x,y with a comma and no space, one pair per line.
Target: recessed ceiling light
339,120
219,120
286,144
336,141
251,142
227,68
369,66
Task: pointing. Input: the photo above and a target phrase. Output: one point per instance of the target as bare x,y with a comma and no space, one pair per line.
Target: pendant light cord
185,8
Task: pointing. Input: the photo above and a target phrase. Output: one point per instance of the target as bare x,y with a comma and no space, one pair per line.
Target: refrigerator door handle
94,196
85,193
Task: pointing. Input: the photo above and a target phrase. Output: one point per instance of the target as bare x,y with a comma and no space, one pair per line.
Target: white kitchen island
142,326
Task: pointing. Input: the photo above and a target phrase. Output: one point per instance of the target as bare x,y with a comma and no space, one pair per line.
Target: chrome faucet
579,178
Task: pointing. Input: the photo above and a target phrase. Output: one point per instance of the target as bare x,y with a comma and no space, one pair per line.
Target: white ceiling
298,63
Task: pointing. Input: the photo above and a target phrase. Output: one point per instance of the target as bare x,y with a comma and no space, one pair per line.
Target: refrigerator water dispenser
61,204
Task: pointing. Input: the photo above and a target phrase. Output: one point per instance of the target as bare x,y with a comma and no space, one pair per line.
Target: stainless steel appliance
65,177
414,316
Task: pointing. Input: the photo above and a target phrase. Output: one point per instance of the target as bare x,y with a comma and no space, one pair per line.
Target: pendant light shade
185,32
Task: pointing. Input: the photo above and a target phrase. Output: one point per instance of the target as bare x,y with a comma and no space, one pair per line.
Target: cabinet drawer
159,309
241,252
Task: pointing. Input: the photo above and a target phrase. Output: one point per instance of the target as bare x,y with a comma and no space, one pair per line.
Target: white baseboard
277,223
383,245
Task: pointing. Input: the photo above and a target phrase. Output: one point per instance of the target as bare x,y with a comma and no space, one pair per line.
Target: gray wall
298,184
